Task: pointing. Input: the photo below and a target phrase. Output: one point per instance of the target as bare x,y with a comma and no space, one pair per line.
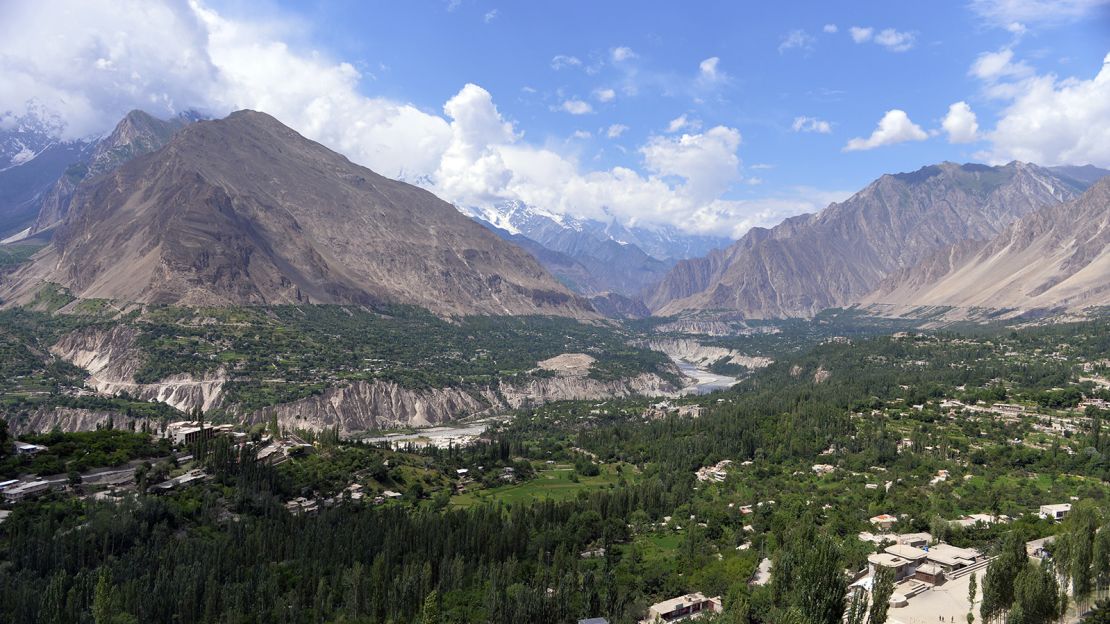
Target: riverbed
442,436
704,381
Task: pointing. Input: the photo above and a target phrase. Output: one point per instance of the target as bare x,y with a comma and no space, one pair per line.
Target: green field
552,482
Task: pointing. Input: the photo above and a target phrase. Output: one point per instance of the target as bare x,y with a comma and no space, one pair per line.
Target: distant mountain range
839,256
244,210
590,256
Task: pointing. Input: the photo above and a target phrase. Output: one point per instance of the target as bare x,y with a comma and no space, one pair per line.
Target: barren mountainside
1056,257
833,258
244,210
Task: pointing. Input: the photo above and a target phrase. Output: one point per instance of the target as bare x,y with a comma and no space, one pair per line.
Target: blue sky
771,95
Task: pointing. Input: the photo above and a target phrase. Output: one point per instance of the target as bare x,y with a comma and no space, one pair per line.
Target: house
951,558
717,473
902,567
390,494
973,519
1055,512
26,489
884,521
178,482
4,515
26,448
685,607
7,484
186,432
823,469
594,621
929,573
917,540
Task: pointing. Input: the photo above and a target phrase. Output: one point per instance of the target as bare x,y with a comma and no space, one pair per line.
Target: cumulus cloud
577,107
622,53
683,122
961,124
831,29
707,69
490,16
707,162
861,34
605,95
889,38
796,40
992,66
895,127
811,124
1053,121
102,60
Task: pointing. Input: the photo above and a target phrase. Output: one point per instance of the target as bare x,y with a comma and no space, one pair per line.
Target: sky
709,116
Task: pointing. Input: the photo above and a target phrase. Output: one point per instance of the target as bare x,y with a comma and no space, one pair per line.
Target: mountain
833,258
32,158
665,243
244,210
136,134
1056,257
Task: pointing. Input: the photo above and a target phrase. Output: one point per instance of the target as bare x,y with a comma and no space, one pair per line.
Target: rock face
364,406
831,259
112,360
137,134
69,419
1058,257
244,210
613,305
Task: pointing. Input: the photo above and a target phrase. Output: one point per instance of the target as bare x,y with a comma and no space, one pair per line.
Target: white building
1055,512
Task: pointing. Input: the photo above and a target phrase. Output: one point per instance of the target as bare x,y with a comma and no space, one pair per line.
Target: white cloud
622,53
796,40
1003,13
1053,121
581,134
861,34
889,38
992,66
811,124
708,161
830,28
683,122
961,124
560,61
577,107
894,40
605,95
708,69
895,127
105,59
490,16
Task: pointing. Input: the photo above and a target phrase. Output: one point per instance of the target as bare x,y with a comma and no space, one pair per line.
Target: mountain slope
244,210
136,134
1056,257
812,262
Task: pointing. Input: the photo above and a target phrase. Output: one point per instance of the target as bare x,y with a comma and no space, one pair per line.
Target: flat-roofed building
685,607
1055,512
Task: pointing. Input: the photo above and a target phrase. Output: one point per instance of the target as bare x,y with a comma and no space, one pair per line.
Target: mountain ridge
244,210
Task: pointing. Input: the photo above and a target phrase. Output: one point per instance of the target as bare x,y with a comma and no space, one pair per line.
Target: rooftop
677,603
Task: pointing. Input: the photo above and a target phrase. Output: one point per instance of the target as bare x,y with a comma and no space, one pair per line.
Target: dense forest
602,514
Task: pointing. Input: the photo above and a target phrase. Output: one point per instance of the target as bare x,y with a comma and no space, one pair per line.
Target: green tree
882,588
429,614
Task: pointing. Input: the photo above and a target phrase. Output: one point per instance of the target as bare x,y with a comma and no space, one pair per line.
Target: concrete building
26,489
951,558
902,567
686,607
884,521
1055,512
26,448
